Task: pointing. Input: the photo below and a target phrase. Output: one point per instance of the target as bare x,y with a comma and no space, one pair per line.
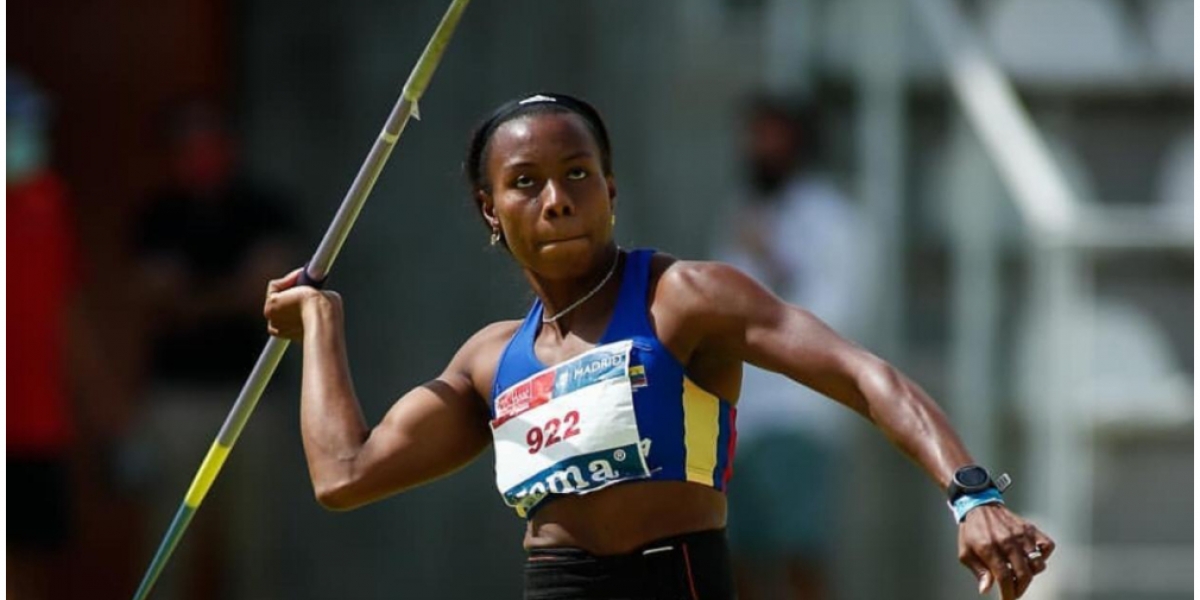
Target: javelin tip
414,88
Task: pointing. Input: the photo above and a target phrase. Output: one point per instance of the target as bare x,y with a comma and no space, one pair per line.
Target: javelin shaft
406,106
215,459
316,270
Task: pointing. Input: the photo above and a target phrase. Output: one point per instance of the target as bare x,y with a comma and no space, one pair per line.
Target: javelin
314,274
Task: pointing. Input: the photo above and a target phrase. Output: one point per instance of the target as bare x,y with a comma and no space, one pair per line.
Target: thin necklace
587,296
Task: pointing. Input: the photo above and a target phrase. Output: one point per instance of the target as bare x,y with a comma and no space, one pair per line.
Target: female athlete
612,405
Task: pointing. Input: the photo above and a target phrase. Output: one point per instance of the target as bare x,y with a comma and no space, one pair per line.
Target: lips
562,240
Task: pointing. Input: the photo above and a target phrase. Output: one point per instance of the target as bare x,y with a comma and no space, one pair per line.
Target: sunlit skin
549,197
547,193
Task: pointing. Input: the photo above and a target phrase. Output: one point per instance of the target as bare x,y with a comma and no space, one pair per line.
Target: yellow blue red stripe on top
687,433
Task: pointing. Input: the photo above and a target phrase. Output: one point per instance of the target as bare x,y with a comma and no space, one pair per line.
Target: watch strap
968,502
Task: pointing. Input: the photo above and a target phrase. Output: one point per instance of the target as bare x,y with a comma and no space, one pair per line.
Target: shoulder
479,356
701,287
487,343
702,305
494,333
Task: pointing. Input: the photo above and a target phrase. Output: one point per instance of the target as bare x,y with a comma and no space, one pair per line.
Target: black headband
540,102
579,107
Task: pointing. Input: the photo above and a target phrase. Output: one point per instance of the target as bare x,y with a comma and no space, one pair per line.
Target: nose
556,200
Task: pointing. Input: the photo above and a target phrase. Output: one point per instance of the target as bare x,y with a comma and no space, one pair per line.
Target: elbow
881,385
896,404
336,482
337,496
349,493
881,377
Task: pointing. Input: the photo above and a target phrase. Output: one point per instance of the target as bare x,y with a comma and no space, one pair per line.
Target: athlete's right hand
289,306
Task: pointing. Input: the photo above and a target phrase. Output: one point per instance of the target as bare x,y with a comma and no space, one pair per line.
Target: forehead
544,136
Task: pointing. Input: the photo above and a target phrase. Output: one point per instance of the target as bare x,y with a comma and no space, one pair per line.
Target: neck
558,295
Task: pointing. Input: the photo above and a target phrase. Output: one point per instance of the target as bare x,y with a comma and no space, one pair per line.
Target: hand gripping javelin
314,274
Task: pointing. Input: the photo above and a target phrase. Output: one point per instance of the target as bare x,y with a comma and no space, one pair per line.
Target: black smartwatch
973,479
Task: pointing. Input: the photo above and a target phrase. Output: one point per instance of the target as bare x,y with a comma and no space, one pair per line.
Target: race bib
569,429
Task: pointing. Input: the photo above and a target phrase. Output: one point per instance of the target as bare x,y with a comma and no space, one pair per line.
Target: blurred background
995,195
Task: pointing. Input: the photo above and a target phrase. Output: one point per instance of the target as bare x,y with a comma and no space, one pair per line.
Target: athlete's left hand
1001,548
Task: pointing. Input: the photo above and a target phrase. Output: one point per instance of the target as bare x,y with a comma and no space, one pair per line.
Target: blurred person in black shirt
207,243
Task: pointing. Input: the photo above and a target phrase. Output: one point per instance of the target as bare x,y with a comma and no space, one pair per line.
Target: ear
487,208
612,191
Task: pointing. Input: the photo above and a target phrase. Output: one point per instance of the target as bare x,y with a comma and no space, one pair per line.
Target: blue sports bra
623,411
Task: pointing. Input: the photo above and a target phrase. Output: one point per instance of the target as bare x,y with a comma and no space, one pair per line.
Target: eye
577,173
523,182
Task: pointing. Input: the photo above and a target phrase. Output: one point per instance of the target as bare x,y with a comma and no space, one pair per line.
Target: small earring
495,236
614,220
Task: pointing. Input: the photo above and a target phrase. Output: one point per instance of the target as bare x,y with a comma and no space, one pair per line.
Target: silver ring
1035,555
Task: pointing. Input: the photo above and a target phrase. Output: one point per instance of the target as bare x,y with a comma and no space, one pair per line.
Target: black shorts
39,503
692,566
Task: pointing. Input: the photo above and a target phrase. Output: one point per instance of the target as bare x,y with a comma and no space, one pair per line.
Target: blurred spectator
208,243
42,282
795,232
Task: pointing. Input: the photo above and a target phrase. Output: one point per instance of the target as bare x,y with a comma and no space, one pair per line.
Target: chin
571,258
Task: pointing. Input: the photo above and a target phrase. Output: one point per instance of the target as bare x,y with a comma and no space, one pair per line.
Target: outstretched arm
734,314
433,430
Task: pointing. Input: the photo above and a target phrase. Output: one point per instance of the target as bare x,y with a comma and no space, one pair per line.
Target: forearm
995,544
331,421
913,422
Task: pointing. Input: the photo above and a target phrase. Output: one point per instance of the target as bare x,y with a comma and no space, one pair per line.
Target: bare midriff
626,516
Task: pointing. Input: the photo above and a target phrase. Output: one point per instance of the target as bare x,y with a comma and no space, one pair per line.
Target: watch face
971,477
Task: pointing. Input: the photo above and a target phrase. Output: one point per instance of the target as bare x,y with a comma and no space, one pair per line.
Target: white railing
1064,230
